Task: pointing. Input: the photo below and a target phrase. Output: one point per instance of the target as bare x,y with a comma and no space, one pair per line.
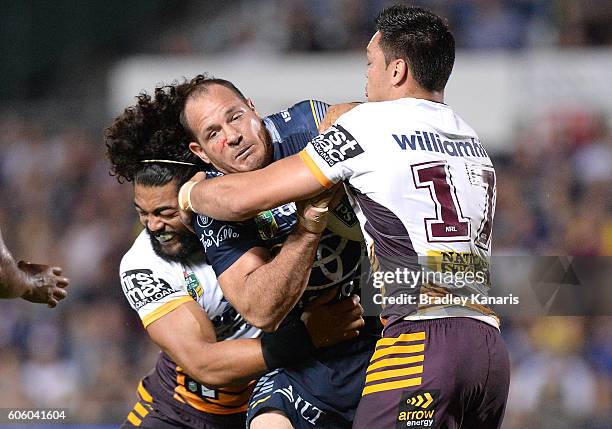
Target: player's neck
418,92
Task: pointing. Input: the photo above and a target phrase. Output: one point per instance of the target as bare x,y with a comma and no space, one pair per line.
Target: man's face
378,74
229,131
157,208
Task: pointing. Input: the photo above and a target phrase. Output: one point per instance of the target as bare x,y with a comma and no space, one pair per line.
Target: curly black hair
155,128
149,130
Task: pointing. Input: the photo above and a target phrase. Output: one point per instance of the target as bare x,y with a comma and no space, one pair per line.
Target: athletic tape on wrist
186,188
317,224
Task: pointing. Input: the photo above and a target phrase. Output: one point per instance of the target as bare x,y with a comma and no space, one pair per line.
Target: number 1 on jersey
449,224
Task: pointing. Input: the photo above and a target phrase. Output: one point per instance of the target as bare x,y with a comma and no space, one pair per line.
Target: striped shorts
438,373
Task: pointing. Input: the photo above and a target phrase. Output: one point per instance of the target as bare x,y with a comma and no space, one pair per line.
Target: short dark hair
150,130
197,86
422,39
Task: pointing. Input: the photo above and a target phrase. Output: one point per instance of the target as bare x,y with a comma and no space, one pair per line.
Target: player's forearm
225,363
240,196
227,198
274,288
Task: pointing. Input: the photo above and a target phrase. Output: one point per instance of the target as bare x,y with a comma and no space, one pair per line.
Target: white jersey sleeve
333,155
152,286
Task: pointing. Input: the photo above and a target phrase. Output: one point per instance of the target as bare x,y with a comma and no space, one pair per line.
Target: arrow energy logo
417,409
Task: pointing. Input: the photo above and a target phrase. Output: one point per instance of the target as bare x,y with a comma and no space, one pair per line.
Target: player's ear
399,71
251,106
199,152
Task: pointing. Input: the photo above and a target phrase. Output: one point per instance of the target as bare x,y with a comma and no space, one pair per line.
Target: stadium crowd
323,25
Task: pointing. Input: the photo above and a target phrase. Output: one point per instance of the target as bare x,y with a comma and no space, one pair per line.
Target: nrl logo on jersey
193,285
266,225
336,145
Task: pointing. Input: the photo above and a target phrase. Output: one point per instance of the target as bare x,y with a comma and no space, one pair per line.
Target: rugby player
422,185
199,380
36,283
228,134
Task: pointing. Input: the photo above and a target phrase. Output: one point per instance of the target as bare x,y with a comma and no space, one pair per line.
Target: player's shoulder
304,114
142,255
411,111
363,114
370,107
310,107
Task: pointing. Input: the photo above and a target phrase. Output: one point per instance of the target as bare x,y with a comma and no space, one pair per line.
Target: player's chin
254,161
171,248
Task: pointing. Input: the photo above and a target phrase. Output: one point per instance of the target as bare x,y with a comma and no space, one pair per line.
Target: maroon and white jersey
422,185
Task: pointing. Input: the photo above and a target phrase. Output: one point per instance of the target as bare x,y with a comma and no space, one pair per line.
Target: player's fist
312,213
330,322
47,284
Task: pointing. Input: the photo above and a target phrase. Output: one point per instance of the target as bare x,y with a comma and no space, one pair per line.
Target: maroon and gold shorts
439,373
162,412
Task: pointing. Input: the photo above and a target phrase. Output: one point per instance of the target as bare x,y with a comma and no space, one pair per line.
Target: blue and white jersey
337,260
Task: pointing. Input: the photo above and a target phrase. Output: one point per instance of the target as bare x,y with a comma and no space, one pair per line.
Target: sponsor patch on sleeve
142,287
336,145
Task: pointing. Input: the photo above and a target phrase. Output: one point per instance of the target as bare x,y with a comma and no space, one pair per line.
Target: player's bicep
182,332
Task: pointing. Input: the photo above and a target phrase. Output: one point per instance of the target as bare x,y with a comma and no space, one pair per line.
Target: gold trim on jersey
417,336
138,413
314,113
133,419
142,408
416,348
259,401
144,395
392,385
227,400
315,170
164,309
390,365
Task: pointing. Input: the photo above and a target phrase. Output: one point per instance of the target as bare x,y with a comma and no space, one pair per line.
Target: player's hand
329,323
48,286
333,113
312,213
184,200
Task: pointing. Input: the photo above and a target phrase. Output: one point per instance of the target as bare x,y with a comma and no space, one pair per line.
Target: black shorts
322,392
438,373
152,413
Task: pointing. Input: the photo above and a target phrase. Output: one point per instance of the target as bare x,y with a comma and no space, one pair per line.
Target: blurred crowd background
59,204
